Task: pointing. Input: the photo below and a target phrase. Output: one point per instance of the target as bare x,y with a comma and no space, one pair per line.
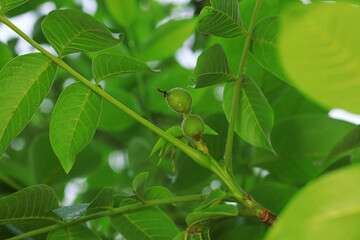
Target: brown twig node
164,92
267,217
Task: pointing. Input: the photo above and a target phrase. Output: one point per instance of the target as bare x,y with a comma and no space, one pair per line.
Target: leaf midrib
77,120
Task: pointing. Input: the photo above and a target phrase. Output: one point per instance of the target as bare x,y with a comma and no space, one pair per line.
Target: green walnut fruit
179,100
193,126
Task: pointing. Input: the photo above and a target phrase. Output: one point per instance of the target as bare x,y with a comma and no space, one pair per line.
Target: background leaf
157,192
327,208
265,48
27,80
32,203
10,4
148,223
81,32
103,200
5,56
73,123
139,184
107,65
299,142
350,142
209,215
124,12
212,67
221,19
254,120
78,232
167,39
323,40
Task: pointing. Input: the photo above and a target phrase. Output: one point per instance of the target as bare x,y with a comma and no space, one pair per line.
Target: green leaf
174,131
145,224
112,119
139,184
264,46
221,19
319,48
350,142
74,122
168,38
273,195
70,31
255,117
71,212
205,217
47,169
10,4
212,67
124,12
78,232
157,192
27,80
104,199
209,131
108,65
31,203
300,141
328,208
214,196
5,56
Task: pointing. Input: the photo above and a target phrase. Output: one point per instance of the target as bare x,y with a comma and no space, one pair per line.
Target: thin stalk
10,182
110,212
237,89
197,156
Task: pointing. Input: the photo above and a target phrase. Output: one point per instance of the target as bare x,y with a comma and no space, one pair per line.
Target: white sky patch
88,6
262,172
47,106
219,92
206,190
45,8
117,160
231,203
177,13
18,144
173,1
215,184
73,189
68,82
185,56
25,22
344,115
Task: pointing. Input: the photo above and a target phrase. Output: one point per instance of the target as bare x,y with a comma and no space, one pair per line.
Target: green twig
10,182
111,212
197,156
237,89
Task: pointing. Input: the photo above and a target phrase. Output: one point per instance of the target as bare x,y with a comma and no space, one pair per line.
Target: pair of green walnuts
179,100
